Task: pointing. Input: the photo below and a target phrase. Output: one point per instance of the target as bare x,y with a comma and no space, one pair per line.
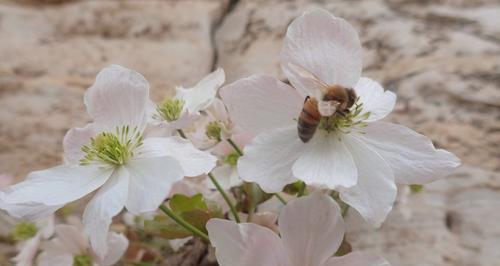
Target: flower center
213,130
82,260
343,122
112,148
24,231
170,109
232,159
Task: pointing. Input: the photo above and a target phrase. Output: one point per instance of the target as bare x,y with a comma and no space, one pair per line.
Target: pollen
343,123
170,109
114,148
232,159
24,231
213,130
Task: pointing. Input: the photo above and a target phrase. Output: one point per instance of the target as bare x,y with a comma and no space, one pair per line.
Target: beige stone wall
441,57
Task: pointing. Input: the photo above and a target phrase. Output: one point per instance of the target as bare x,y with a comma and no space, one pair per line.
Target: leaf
165,227
181,203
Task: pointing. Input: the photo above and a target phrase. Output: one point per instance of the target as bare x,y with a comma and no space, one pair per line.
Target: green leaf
181,203
165,227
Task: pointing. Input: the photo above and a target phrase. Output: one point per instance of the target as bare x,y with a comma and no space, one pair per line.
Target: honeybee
335,100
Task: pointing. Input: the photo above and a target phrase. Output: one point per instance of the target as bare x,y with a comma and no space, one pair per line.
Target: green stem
280,198
183,223
226,198
302,190
236,148
181,133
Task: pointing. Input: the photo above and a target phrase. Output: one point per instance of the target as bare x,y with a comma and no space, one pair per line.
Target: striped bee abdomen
308,120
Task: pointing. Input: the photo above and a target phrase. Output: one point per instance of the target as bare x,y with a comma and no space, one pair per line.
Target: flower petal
150,182
412,156
326,162
376,101
106,203
324,45
227,177
28,211
245,244
261,102
203,93
375,193
57,185
117,244
51,258
29,249
74,140
118,97
193,161
311,229
268,160
71,239
357,259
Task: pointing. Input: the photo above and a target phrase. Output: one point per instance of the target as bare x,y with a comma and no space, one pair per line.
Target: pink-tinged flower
226,172
112,157
5,180
184,109
31,236
311,230
351,150
71,247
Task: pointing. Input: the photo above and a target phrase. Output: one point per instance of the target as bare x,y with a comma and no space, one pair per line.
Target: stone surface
441,57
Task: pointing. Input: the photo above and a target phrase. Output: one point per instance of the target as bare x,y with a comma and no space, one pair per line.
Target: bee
335,100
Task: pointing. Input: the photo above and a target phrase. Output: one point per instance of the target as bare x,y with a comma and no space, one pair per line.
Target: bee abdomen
308,120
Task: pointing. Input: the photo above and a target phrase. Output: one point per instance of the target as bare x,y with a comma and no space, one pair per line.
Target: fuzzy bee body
310,117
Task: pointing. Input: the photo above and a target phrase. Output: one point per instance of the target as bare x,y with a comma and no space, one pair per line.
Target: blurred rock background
441,57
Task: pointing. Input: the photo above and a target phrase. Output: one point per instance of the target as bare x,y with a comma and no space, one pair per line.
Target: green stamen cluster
232,159
82,260
342,123
24,231
213,130
112,148
170,109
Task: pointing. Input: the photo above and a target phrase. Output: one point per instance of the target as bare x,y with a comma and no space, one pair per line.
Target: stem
236,148
280,198
183,223
181,133
302,190
226,198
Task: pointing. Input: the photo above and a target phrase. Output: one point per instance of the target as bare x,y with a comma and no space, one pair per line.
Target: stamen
346,122
170,109
112,148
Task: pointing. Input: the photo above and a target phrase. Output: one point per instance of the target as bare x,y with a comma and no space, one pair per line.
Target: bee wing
313,82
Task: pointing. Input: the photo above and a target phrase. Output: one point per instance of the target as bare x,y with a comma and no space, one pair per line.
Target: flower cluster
197,165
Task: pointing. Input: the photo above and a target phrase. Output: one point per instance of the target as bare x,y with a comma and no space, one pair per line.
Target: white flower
182,110
71,247
226,172
311,230
355,154
110,156
31,236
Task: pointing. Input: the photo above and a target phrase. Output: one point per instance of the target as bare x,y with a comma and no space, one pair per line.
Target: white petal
58,185
74,140
376,101
311,228
218,110
28,211
49,258
375,193
203,93
29,249
269,158
193,161
71,239
326,162
106,203
357,259
245,244
150,182
326,46
412,156
227,176
117,244
118,97
261,102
